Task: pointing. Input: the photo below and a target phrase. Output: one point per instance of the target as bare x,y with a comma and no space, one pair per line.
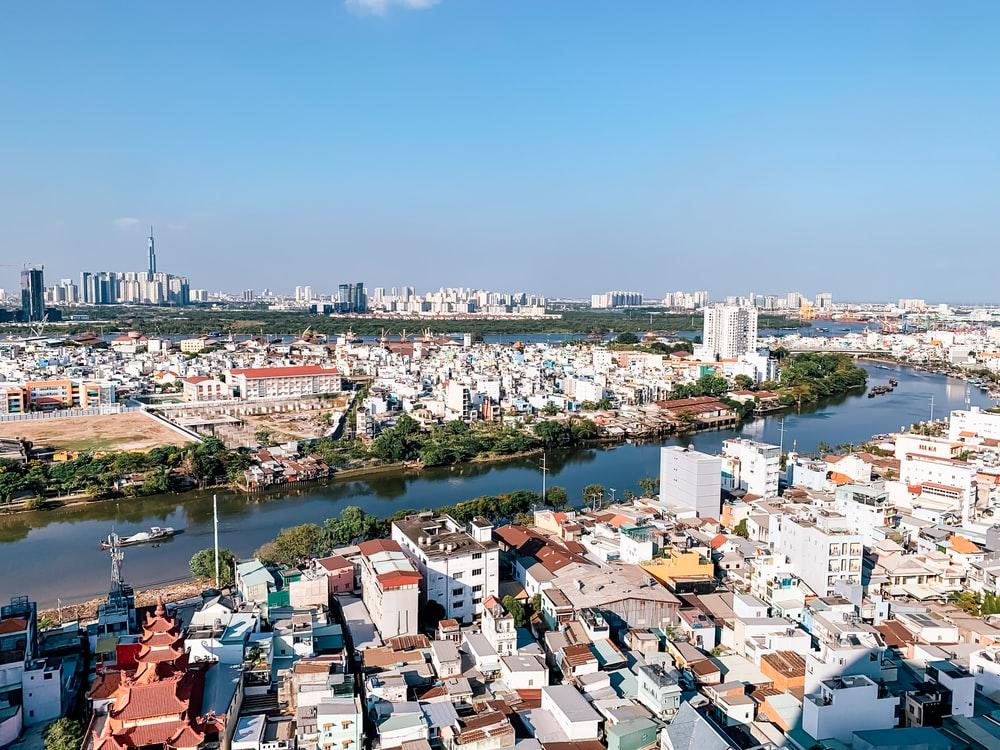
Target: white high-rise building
691,480
460,568
822,549
730,330
824,302
751,466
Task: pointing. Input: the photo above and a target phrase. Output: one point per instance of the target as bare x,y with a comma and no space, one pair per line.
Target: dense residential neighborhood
755,597
850,599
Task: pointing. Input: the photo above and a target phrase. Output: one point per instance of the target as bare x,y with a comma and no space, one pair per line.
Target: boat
155,534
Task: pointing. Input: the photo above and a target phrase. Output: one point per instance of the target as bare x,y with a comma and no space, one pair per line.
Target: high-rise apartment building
351,298
614,299
691,480
730,330
32,294
822,550
751,466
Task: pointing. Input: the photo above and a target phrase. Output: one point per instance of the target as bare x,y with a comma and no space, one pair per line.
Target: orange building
785,669
49,395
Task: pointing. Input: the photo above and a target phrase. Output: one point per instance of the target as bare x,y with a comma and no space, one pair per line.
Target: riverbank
38,545
87,610
941,368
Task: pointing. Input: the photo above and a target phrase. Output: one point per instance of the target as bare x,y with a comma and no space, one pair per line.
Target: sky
557,146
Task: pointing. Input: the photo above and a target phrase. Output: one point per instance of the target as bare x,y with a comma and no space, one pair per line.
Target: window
477,572
458,604
48,675
477,555
474,588
456,592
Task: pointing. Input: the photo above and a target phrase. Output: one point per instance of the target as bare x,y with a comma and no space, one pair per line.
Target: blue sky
551,145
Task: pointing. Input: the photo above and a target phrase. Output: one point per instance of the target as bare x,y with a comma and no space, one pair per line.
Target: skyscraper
152,253
730,330
32,294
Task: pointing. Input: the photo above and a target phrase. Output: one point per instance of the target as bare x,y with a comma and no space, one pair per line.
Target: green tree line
165,468
353,525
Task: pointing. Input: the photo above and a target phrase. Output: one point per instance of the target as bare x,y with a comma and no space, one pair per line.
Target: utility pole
932,407
545,471
215,519
781,438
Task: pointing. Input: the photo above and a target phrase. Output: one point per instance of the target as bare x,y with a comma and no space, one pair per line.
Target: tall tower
32,294
152,253
730,330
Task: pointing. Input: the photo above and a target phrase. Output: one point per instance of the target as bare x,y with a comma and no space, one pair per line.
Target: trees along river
50,554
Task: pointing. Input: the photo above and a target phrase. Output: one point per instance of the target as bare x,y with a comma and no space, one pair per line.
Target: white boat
155,534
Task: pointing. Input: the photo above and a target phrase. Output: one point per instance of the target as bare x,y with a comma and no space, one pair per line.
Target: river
50,554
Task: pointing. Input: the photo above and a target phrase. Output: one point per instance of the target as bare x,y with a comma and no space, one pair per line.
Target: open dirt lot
124,432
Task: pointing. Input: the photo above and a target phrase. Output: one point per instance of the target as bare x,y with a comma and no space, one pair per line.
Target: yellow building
678,564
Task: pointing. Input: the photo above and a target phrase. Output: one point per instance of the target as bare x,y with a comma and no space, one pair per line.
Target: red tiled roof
257,373
105,686
378,545
398,579
718,540
13,625
335,562
150,700
894,633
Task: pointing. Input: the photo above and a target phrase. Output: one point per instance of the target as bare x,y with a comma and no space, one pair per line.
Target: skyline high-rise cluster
616,298
455,300
149,287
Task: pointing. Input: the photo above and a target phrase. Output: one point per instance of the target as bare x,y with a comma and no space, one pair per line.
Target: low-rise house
659,690
523,672
844,705
339,722
691,731
339,572
446,659
498,627
574,715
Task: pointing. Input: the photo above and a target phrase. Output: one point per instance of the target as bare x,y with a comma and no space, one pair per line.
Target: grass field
123,432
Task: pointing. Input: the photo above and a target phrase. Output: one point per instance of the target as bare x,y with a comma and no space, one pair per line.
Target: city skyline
470,144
